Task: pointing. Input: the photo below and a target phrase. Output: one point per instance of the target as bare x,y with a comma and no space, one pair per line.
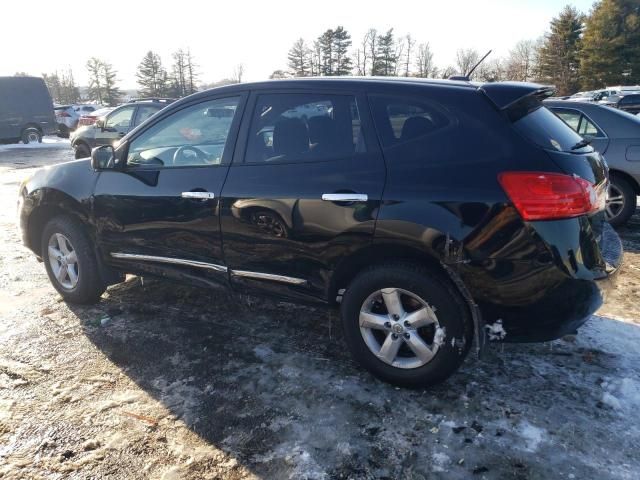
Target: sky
257,34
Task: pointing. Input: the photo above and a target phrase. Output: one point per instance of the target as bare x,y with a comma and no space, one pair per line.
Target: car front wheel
406,325
70,261
621,201
82,150
31,135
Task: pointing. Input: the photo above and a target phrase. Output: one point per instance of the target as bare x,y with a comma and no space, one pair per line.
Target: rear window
545,129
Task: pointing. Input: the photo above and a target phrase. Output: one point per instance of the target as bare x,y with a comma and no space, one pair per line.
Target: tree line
579,51
152,77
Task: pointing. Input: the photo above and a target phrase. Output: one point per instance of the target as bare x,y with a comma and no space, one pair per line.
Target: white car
67,119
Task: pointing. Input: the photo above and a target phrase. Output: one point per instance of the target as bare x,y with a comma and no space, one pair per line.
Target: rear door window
300,127
545,129
144,112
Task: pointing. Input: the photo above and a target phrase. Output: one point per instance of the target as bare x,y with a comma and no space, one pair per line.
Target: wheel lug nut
387,324
396,317
406,323
406,335
394,336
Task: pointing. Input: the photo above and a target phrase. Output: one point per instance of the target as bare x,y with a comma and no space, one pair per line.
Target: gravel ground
169,382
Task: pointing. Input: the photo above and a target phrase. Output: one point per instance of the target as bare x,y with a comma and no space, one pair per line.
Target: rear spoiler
516,98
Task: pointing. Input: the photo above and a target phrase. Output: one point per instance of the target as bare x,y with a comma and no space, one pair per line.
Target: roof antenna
467,76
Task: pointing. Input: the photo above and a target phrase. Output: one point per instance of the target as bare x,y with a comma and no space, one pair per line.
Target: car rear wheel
406,325
82,150
70,261
621,201
31,135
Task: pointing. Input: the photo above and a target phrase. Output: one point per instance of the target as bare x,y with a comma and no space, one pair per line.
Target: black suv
435,213
115,125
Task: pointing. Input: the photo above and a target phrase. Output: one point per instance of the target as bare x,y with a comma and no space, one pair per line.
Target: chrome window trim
581,112
268,276
173,261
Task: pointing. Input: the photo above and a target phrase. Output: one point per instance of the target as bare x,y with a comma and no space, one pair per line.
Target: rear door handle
345,197
199,195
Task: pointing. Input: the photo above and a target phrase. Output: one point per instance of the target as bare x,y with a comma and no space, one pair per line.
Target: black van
26,110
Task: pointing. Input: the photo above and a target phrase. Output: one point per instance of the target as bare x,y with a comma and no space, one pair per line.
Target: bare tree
424,62
466,58
447,72
238,73
491,71
371,40
407,64
520,63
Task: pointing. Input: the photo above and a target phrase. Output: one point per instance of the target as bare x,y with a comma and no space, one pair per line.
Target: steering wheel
201,158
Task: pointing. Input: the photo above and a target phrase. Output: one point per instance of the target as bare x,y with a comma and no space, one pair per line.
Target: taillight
550,196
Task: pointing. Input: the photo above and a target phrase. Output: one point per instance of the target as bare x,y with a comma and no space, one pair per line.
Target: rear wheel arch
381,254
632,181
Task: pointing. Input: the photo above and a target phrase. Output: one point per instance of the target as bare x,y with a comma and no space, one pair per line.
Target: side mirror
102,157
100,123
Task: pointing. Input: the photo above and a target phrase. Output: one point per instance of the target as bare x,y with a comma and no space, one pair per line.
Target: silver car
615,134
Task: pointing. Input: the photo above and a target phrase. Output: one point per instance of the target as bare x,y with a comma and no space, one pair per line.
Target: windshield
545,129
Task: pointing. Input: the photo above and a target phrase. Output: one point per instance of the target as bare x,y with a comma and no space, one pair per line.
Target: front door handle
345,197
198,195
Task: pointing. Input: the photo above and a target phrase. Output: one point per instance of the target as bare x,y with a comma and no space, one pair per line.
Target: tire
621,201
31,135
63,131
82,150
67,236
418,289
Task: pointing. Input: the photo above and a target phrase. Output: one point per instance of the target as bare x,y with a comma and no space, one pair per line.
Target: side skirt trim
268,276
174,261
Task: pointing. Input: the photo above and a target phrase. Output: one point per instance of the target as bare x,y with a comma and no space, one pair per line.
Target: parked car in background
86,108
26,110
114,125
629,102
67,118
431,212
581,97
616,135
91,118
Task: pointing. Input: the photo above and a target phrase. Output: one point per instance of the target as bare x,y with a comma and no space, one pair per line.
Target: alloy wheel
400,328
63,261
615,202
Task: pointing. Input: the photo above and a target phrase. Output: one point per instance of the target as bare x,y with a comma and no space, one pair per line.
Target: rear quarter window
546,130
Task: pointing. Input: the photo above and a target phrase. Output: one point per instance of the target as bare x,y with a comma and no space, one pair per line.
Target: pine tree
112,93
299,59
611,45
326,43
96,89
340,49
386,57
558,57
152,76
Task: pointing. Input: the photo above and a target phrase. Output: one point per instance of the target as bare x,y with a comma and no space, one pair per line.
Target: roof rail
152,99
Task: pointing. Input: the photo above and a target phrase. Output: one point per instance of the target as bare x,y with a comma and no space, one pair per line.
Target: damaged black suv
435,214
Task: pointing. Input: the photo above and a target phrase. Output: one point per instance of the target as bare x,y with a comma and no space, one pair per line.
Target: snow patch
47,142
533,436
496,331
440,336
621,394
440,461
263,352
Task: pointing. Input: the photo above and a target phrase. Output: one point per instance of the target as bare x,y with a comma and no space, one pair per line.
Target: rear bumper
543,302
